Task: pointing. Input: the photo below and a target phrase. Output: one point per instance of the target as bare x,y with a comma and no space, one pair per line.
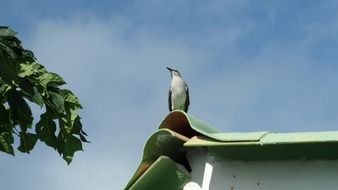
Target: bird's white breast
178,94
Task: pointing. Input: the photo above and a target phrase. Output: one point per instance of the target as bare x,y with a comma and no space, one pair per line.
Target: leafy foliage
23,79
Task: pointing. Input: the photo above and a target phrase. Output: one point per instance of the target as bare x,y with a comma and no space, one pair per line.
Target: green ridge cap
187,125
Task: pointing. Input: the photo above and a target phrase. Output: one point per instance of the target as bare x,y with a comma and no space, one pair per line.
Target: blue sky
250,66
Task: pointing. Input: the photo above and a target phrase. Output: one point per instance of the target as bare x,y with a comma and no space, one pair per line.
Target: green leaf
60,142
46,129
27,141
77,129
70,97
53,78
70,117
72,145
56,102
83,138
20,112
9,68
4,115
28,69
5,144
31,92
4,88
6,31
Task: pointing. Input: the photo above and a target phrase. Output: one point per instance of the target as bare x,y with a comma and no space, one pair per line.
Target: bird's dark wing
187,101
169,100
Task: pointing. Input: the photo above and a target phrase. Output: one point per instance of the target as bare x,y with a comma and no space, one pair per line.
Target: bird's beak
169,69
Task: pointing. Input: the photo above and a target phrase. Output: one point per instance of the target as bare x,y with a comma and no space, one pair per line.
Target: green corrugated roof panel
272,146
163,174
303,137
263,138
163,142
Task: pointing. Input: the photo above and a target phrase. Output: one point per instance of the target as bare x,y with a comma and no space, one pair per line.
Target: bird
178,98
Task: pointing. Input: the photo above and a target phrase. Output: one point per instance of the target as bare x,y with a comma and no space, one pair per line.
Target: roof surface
164,151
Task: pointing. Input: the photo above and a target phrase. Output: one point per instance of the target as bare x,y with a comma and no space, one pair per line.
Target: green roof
164,151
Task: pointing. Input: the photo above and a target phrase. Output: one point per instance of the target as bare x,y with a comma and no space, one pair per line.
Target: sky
250,66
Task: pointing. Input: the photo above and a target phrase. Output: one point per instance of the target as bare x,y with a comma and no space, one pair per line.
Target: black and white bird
178,92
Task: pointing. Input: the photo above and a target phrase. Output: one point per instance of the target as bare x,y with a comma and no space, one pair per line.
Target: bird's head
174,72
